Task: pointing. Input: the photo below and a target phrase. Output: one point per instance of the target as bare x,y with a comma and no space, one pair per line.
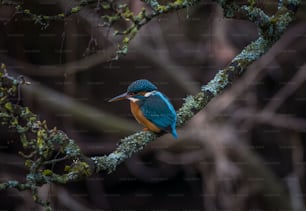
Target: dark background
228,157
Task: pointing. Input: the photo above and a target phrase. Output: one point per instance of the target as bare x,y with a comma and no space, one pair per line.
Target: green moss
8,106
126,40
47,172
28,163
110,19
41,136
67,168
24,140
79,168
26,11
105,5
161,8
75,9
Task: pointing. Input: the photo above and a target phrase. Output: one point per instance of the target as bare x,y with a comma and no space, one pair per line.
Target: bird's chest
137,113
135,109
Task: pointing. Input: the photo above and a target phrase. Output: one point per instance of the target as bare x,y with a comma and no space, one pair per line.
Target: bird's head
136,91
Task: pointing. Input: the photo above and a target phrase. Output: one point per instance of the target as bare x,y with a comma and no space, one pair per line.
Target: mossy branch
45,20
112,12
51,146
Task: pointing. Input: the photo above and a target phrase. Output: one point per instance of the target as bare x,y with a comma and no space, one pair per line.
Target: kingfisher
150,107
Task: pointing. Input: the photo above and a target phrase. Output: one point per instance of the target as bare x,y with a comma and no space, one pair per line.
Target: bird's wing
159,110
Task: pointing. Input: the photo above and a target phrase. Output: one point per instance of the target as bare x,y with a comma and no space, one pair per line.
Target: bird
150,107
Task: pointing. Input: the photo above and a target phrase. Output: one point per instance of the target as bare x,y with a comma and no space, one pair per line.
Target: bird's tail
174,133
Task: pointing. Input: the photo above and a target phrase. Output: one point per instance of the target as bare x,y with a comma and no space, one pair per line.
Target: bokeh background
244,151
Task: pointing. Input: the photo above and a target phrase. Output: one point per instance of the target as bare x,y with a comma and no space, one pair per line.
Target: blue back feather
158,109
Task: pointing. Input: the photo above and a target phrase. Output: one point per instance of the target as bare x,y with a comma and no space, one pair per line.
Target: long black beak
119,97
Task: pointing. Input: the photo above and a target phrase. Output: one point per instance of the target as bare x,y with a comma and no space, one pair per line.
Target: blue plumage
160,111
141,85
150,107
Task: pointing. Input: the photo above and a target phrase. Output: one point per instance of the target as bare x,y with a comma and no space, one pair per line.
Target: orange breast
138,115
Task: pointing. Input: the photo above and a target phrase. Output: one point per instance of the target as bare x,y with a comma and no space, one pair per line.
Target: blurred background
244,151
